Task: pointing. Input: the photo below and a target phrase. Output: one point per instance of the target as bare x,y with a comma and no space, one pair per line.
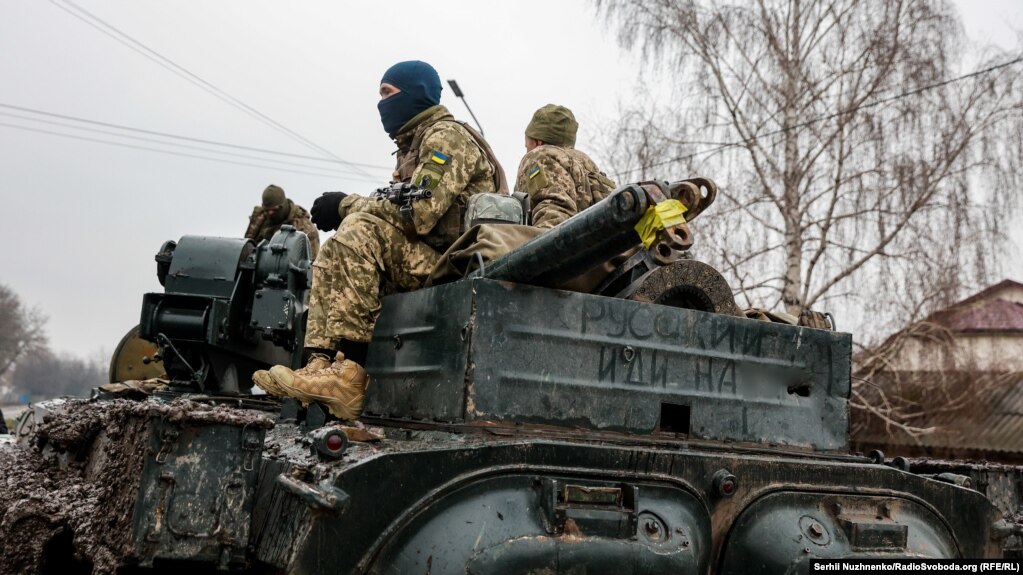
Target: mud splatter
68,492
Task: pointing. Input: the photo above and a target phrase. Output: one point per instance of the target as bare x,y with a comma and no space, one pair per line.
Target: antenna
459,94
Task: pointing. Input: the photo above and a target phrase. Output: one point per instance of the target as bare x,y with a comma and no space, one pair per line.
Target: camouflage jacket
260,228
436,152
561,182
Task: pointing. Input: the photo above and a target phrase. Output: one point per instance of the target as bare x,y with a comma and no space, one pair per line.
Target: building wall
995,351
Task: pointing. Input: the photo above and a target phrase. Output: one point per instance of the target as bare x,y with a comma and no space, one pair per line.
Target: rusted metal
696,194
672,241
133,359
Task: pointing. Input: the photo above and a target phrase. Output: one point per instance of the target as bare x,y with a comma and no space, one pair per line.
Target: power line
186,155
831,116
137,46
166,143
185,138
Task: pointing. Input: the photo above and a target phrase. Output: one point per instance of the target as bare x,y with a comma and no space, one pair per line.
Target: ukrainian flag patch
533,173
438,158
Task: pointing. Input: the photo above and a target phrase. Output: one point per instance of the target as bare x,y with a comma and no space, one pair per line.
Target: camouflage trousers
365,259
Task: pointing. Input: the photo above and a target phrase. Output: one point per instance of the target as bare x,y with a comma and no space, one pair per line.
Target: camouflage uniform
261,228
561,182
375,252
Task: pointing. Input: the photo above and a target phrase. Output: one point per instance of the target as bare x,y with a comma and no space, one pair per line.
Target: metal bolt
815,529
651,527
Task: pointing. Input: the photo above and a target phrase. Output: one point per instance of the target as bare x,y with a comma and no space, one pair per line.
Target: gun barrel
577,245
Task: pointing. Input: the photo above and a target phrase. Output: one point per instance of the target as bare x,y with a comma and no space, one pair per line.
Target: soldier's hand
324,211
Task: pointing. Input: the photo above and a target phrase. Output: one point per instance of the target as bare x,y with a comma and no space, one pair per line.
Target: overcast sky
84,218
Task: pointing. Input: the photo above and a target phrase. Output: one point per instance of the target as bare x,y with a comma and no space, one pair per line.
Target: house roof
994,425
994,315
988,292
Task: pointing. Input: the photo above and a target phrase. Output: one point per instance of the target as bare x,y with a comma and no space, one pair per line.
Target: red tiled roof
996,315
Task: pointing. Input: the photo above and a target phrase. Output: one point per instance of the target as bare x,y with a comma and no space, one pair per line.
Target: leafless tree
21,331
861,165
46,375
893,393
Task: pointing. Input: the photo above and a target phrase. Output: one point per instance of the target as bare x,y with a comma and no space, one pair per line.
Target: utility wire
115,33
189,139
166,143
831,116
186,155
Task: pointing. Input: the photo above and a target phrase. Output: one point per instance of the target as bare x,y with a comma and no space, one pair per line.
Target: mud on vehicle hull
523,505
469,500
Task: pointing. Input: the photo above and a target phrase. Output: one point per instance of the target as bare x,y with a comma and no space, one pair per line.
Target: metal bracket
252,445
323,496
167,441
603,510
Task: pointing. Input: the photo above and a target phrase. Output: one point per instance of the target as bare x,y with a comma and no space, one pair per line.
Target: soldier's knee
361,231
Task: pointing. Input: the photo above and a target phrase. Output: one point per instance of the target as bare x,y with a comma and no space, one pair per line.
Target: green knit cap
554,125
273,196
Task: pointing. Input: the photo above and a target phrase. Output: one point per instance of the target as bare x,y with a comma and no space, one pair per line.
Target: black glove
324,211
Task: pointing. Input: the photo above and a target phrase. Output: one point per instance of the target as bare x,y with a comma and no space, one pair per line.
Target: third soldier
561,181
275,211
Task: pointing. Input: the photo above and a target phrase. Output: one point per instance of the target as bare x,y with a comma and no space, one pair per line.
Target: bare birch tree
21,331
860,164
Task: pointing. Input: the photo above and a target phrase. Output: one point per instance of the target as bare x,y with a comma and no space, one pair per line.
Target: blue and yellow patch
532,173
438,158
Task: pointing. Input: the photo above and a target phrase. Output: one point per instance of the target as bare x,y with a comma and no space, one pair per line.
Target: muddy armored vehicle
641,426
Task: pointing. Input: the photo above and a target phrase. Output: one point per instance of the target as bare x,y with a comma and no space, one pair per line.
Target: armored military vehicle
640,426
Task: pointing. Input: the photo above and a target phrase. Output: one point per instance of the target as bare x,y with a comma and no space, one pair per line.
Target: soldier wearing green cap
561,181
275,211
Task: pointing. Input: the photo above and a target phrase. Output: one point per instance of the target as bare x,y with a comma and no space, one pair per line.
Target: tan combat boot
317,362
341,385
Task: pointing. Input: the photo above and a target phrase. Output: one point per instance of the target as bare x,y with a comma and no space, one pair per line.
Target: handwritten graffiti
641,323
651,368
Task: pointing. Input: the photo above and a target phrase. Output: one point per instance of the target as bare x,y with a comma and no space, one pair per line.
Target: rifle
403,195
